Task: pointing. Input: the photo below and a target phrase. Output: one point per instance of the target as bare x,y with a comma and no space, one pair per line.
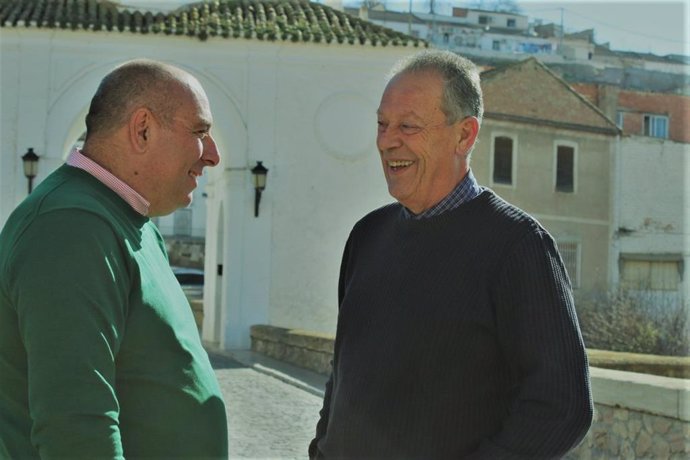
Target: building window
570,253
182,222
484,19
510,22
620,116
656,126
496,45
565,168
650,275
503,160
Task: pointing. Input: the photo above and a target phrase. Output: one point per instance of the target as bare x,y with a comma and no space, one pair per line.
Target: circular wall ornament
345,125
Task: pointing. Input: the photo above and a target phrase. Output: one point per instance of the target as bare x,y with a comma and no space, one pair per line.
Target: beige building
546,149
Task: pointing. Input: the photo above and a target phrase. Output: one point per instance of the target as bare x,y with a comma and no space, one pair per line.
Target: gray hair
462,95
134,84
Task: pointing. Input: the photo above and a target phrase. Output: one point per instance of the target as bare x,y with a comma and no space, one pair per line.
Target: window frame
620,118
574,146
651,259
653,119
513,165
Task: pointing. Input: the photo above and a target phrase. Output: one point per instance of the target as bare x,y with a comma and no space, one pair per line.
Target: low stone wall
637,416
667,366
309,350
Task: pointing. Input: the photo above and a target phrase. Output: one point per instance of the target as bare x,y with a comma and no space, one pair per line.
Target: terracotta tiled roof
528,92
282,20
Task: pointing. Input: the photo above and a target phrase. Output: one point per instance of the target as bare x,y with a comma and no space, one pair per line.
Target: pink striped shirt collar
127,193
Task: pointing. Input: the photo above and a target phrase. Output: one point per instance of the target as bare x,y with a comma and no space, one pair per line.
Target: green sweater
99,353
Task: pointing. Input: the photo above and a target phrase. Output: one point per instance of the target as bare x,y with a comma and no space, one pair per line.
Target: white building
652,234
468,31
284,90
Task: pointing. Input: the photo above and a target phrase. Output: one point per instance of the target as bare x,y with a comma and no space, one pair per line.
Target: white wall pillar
213,293
234,331
615,213
686,225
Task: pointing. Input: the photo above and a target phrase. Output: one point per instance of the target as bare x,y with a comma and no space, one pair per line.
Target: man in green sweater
457,335
99,353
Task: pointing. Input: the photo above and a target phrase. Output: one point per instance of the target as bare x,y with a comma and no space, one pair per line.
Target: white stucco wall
326,176
655,199
306,110
653,183
310,112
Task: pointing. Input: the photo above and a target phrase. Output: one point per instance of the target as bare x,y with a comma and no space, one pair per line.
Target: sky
654,26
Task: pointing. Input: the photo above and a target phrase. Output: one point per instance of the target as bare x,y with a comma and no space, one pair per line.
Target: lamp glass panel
30,168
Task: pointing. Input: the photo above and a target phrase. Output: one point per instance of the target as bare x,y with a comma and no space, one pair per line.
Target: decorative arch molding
65,120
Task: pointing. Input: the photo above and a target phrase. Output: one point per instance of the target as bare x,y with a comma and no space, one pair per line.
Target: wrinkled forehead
412,91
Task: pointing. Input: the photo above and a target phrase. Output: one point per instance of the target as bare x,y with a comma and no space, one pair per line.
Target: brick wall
635,104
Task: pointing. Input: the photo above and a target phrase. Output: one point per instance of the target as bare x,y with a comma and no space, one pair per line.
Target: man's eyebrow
409,113
204,123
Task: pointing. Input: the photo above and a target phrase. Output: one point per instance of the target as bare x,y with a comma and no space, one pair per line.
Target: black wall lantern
259,172
30,160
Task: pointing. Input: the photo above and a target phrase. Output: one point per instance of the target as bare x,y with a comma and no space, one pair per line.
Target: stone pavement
272,407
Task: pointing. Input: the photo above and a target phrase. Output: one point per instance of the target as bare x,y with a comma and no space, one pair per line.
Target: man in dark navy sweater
457,335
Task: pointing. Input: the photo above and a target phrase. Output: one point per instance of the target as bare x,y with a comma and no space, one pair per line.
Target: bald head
134,84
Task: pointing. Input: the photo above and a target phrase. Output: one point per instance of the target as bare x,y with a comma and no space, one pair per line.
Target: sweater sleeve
70,292
539,335
322,424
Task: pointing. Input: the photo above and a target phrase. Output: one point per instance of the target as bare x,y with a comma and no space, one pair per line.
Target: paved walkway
272,407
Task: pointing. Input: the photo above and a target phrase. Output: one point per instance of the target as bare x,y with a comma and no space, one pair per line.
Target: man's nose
387,138
211,154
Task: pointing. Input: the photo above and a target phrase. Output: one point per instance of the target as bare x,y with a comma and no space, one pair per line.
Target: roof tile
282,20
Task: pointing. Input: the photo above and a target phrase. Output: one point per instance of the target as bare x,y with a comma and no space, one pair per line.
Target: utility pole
560,46
433,20
409,18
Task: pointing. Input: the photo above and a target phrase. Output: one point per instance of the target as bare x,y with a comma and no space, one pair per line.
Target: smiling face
423,156
181,151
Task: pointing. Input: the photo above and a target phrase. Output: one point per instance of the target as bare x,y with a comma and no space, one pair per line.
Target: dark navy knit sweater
457,338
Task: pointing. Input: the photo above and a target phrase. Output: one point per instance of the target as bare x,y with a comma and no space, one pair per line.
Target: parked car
191,280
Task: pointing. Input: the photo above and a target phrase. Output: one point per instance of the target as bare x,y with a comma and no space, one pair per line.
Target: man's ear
140,126
467,130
